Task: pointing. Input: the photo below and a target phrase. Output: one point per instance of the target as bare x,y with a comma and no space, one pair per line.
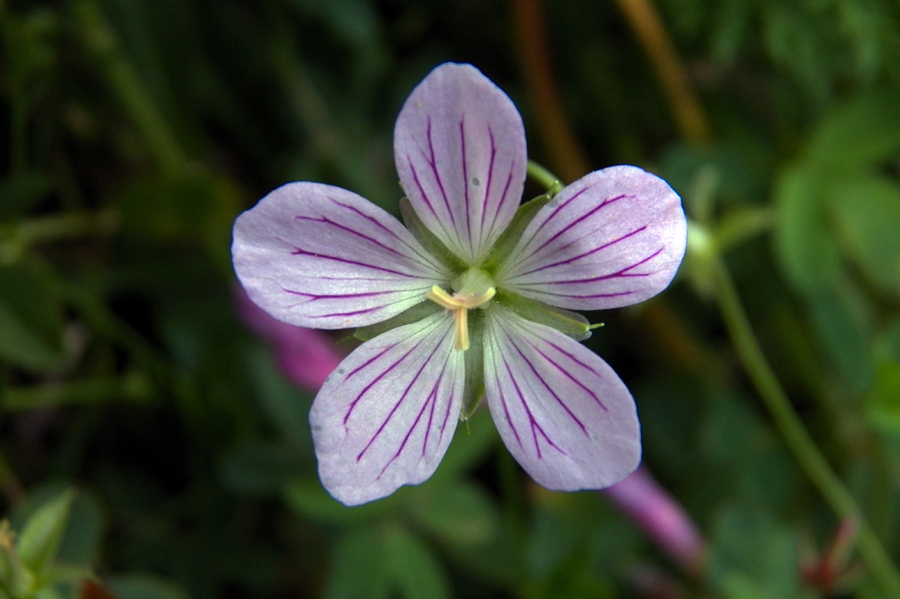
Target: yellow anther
460,304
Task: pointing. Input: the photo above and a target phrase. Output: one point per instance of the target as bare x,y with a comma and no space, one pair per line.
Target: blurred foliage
136,130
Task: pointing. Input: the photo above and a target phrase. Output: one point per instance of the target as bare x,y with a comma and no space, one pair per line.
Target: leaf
414,570
144,586
40,538
259,468
20,191
308,498
867,212
804,245
862,133
358,566
458,513
752,556
31,319
883,399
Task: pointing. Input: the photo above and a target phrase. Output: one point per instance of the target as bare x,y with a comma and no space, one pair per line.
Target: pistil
475,290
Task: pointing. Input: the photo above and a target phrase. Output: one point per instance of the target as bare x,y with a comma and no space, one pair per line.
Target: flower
471,300
305,357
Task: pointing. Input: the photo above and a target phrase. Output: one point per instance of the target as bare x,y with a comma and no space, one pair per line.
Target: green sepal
569,323
474,364
507,241
428,239
423,309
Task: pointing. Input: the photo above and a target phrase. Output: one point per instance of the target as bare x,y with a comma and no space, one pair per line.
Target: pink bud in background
304,356
661,518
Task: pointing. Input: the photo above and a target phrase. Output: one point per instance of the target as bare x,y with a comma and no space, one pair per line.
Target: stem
794,433
542,176
686,108
127,83
566,157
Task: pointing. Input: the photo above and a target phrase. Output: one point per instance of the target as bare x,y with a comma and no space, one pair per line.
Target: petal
322,257
384,418
459,145
561,410
613,238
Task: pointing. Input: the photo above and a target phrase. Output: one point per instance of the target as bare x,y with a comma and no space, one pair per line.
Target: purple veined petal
562,412
322,257
613,238
385,417
459,146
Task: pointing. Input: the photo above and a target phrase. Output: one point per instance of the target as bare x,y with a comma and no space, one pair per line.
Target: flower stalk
792,430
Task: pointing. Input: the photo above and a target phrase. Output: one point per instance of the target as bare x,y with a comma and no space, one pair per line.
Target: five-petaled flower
469,301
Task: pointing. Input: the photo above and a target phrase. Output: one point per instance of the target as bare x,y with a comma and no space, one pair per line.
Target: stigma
475,290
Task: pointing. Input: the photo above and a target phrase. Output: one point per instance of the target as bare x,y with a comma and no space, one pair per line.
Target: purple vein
547,386
576,221
623,273
509,176
487,188
315,296
400,401
418,183
535,426
569,374
495,351
381,375
585,254
424,258
432,162
301,252
465,173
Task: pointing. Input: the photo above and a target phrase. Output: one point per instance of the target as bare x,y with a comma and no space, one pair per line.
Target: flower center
473,289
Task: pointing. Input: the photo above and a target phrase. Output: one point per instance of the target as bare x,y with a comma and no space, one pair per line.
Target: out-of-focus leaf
458,513
883,399
259,468
752,556
21,191
31,322
144,586
308,498
414,570
39,539
82,540
868,217
359,568
471,443
861,133
843,318
806,248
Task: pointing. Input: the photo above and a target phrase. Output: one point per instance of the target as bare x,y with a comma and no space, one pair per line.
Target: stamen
460,303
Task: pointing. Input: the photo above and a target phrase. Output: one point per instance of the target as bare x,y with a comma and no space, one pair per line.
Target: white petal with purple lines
459,146
613,238
562,412
384,418
322,257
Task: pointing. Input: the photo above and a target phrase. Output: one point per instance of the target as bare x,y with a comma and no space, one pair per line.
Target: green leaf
40,538
308,498
883,399
862,133
259,468
31,320
868,219
144,586
20,191
414,570
359,566
753,557
458,513
808,252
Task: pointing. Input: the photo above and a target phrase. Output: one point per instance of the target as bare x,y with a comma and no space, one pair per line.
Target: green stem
795,434
132,92
542,176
